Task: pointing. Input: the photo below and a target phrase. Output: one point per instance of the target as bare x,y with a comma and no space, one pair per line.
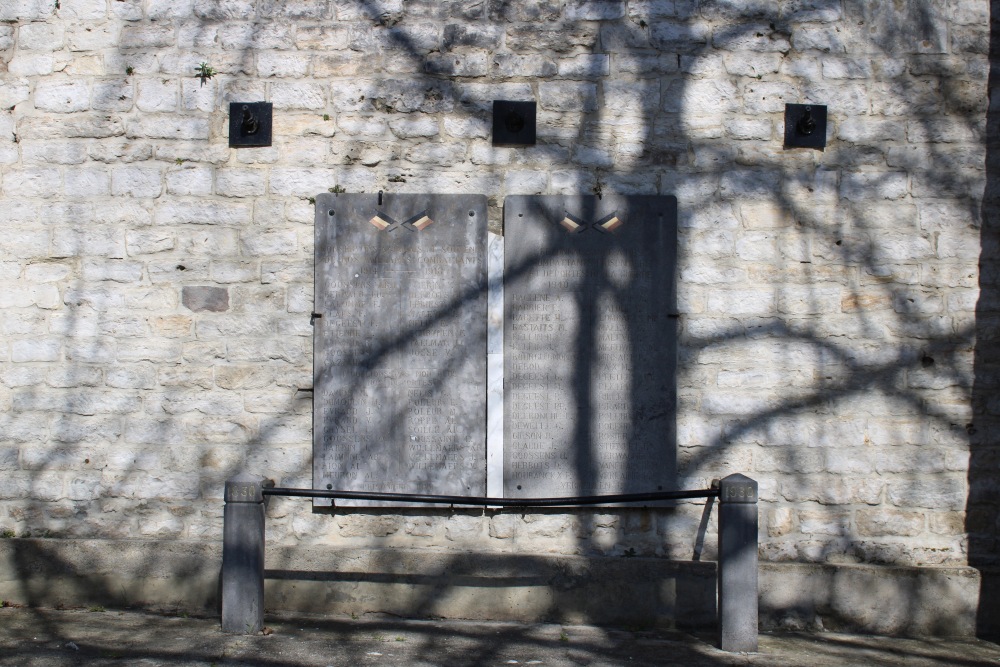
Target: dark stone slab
590,340
400,348
205,299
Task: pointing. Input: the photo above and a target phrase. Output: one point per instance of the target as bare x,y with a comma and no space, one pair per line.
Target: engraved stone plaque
400,345
590,340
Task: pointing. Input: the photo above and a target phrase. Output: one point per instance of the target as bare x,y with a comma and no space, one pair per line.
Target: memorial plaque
590,340
400,345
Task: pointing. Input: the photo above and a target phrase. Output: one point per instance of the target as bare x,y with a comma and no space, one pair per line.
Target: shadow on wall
983,509
850,330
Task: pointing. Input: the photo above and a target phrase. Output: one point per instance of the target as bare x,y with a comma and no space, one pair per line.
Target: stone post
738,564
243,555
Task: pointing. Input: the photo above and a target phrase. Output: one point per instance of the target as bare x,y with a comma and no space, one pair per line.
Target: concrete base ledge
111,573
871,599
511,587
641,592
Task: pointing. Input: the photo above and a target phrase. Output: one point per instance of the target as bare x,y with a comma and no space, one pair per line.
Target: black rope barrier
493,502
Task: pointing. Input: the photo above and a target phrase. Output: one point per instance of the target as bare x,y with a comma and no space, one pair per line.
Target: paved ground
60,638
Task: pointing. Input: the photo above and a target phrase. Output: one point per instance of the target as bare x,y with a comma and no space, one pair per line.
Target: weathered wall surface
156,285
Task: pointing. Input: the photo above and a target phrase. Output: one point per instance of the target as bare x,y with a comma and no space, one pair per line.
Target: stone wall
156,285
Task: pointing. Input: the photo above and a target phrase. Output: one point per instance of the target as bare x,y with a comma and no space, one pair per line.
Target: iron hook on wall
805,126
249,124
514,123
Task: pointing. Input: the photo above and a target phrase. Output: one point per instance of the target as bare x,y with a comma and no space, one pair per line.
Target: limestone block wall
156,285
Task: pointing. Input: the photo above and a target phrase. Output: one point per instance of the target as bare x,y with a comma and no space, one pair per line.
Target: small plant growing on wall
204,72
337,190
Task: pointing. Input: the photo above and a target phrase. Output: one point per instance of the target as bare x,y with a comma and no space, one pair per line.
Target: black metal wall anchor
513,123
249,124
805,126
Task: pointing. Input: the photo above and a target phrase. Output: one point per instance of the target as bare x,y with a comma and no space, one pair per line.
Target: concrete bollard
738,564
243,555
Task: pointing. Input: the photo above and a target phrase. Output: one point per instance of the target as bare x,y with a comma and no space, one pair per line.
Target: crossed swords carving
415,224
575,225
570,222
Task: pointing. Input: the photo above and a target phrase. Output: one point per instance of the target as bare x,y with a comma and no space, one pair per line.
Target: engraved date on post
237,492
740,493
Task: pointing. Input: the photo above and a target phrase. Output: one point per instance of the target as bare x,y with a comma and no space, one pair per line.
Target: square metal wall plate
513,123
249,124
805,126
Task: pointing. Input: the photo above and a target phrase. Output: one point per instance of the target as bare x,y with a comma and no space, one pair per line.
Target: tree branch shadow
856,358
